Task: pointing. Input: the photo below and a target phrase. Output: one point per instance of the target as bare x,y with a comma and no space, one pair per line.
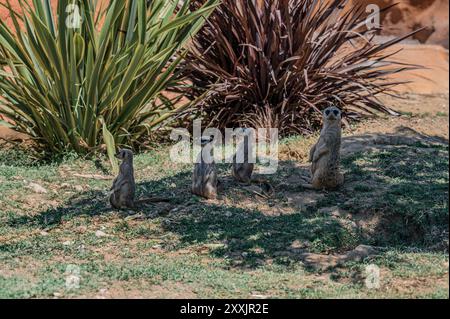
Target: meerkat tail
258,180
153,200
308,186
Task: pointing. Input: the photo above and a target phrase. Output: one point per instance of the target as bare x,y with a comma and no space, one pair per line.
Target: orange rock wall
408,15
411,15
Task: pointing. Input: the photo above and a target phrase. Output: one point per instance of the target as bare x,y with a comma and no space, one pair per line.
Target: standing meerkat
204,178
124,186
242,169
325,155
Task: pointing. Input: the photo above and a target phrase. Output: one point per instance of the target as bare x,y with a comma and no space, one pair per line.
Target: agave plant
78,85
279,63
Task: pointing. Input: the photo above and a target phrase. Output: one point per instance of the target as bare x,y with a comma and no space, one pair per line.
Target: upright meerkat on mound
325,155
204,178
124,186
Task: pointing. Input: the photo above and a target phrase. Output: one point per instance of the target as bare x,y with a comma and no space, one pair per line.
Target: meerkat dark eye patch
336,112
327,112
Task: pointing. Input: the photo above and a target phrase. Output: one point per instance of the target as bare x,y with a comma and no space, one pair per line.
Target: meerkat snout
332,114
124,155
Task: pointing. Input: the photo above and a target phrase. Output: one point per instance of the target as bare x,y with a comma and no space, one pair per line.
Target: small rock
228,214
37,188
43,233
103,291
175,210
100,234
78,188
173,185
334,211
57,294
67,243
359,253
244,254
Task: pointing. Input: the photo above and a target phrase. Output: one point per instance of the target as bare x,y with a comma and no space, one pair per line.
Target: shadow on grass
396,196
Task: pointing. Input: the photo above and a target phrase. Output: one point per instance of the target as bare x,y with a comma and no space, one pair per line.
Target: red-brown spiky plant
278,63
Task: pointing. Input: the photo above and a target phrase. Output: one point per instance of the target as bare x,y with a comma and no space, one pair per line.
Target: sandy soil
427,114
431,77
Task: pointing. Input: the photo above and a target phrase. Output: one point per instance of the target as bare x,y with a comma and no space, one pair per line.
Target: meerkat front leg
321,151
317,152
340,179
312,151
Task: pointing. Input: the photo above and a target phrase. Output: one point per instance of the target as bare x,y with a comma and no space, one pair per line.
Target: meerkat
243,172
124,187
204,178
325,155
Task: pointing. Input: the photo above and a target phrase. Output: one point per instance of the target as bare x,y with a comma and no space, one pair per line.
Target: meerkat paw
211,195
341,179
308,186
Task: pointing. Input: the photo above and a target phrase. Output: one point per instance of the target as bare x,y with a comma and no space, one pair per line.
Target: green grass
237,247
413,191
